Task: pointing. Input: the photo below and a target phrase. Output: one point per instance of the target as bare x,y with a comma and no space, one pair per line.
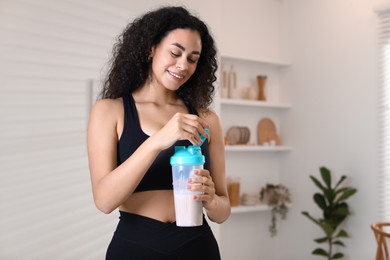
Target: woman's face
175,58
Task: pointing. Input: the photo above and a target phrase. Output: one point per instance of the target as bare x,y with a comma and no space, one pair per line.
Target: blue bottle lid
192,155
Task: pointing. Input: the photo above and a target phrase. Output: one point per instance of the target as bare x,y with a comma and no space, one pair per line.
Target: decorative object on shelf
266,133
277,197
250,199
232,84
261,80
335,210
237,135
250,93
234,191
224,82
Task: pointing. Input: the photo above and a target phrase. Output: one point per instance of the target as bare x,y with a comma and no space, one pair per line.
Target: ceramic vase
261,80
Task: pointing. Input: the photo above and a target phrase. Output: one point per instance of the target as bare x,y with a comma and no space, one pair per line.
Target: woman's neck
156,94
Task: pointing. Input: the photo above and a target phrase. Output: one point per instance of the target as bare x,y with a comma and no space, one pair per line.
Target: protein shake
185,161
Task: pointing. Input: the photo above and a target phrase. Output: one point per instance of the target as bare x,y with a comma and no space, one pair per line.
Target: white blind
384,104
50,50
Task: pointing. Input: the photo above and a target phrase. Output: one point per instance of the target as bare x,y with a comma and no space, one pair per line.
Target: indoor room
301,91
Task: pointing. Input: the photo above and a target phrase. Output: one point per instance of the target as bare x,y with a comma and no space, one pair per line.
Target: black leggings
138,237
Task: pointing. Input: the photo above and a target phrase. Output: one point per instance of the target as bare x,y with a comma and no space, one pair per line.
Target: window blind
384,110
50,50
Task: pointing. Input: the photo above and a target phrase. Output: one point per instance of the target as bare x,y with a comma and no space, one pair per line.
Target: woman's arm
112,185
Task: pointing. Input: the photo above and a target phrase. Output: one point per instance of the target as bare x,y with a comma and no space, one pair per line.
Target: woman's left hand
204,183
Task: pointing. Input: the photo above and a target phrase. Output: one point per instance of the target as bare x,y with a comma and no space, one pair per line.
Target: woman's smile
176,75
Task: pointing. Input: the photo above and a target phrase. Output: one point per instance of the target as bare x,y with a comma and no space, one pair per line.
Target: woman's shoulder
107,107
108,103
215,125
208,114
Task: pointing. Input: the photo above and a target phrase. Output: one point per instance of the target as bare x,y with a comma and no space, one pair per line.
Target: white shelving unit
255,165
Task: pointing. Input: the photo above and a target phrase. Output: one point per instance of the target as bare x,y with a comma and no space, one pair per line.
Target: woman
156,96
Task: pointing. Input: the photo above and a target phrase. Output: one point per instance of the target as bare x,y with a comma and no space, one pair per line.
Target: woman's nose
182,64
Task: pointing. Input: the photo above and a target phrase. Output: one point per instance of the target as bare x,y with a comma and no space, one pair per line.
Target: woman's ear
151,53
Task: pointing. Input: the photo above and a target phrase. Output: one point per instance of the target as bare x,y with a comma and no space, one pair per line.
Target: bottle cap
190,155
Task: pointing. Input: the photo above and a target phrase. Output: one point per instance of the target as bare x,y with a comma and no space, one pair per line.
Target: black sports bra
159,175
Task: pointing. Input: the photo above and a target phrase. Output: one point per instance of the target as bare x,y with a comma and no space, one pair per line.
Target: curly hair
131,66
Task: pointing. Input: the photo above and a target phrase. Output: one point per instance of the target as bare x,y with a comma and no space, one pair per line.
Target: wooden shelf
253,103
256,148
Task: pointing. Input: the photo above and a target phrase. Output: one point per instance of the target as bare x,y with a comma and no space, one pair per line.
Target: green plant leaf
339,243
340,190
319,251
317,183
325,174
336,221
348,193
342,233
326,227
329,194
321,240
340,181
305,213
342,210
319,199
337,256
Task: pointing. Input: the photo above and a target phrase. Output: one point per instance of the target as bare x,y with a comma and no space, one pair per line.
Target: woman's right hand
182,127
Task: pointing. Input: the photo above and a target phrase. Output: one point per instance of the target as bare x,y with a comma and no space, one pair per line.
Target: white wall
333,122
251,29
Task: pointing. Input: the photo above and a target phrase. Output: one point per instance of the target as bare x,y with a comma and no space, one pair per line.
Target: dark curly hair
130,64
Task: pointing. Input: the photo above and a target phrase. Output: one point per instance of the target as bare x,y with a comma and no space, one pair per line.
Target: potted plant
277,197
335,210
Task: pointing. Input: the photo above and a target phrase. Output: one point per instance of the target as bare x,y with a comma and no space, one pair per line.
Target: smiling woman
156,96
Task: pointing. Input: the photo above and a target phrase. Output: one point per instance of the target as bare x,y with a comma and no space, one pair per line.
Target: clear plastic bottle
185,160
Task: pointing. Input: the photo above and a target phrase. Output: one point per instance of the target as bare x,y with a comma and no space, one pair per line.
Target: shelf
279,63
245,209
256,148
255,208
252,103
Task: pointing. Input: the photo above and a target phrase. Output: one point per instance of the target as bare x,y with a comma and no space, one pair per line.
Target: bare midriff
156,204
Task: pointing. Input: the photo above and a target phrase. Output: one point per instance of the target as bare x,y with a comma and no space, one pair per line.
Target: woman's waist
157,204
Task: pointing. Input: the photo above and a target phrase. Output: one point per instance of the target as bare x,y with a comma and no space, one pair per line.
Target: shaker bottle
188,211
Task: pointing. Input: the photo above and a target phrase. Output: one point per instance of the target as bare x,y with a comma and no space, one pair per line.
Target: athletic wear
159,175
142,238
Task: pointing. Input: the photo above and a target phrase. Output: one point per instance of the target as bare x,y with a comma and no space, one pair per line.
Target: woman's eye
192,60
174,54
